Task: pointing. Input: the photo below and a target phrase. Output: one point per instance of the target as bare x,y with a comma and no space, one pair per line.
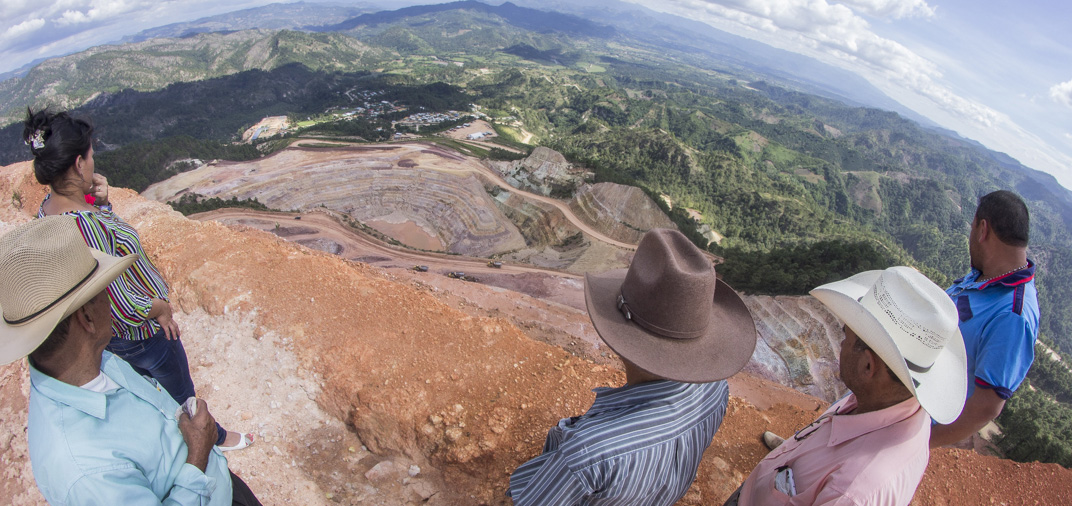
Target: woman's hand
161,311
99,190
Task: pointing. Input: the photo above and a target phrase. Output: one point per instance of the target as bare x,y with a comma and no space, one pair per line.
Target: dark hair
1007,215
54,341
56,141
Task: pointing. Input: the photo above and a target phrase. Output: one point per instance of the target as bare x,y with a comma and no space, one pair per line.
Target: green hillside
151,65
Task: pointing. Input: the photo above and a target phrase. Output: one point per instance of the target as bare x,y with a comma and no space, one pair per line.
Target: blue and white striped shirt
637,444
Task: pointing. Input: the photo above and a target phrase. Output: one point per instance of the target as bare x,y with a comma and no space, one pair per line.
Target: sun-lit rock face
798,344
622,212
545,172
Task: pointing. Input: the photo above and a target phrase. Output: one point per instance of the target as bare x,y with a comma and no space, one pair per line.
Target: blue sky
999,72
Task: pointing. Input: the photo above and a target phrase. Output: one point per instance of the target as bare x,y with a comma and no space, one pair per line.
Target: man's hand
199,433
983,406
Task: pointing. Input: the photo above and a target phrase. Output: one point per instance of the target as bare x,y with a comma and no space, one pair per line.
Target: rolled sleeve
128,485
1006,354
129,306
191,485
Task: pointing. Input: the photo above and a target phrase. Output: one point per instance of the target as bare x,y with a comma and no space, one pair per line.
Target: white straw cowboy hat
669,315
46,273
912,325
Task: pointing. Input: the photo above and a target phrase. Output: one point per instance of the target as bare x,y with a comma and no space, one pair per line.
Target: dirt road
325,231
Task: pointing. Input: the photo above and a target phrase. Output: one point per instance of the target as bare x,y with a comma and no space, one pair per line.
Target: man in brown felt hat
99,433
680,332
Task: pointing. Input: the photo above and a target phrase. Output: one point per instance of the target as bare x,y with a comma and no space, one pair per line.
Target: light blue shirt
115,448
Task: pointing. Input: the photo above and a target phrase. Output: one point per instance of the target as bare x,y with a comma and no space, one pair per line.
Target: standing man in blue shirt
999,313
680,332
99,433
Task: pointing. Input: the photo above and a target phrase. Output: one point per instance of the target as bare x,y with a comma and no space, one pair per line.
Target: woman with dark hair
144,333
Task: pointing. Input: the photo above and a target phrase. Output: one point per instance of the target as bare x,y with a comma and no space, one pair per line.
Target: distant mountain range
726,51
280,16
604,19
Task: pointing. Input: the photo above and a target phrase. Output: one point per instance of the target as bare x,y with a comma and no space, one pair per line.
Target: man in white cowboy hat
680,332
902,359
98,432
999,313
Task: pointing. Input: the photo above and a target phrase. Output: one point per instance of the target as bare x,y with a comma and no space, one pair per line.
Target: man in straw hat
680,332
98,432
902,358
999,313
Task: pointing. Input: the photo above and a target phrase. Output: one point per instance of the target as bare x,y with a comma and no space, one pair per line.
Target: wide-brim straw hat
46,273
912,325
669,315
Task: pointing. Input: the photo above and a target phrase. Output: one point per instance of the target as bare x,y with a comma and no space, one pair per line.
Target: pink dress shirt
875,458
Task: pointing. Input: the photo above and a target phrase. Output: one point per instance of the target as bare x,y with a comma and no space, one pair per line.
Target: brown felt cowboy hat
669,315
46,273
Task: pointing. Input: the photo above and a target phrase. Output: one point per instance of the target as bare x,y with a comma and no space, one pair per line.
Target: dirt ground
268,127
478,126
369,385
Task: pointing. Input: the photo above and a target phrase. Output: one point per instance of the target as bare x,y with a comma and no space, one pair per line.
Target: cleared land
420,194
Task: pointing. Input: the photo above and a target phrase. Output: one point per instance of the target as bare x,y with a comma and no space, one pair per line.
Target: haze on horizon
994,72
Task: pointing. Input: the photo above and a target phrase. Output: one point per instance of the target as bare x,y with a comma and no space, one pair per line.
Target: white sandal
244,441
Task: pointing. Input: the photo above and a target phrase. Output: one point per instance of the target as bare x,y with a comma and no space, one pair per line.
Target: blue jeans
165,361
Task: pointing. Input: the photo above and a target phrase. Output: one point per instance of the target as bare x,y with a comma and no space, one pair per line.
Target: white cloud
1062,93
896,9
23,28
72,18
11,9
99,10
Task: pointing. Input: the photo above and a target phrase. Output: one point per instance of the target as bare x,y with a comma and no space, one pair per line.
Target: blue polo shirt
999,321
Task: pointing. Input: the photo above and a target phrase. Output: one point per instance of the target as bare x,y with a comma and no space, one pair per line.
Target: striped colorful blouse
132,293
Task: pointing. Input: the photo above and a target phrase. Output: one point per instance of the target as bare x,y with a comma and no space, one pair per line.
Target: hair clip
37,140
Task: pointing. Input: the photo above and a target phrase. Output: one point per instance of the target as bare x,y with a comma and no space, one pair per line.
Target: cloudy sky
999,72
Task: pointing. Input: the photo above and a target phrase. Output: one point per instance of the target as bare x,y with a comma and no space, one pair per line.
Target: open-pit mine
450,212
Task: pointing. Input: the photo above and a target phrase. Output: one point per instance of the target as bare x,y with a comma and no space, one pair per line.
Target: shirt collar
1014,278
93,403
847,427
632,395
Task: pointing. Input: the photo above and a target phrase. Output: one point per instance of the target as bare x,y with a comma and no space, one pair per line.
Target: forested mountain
711,48
280,16
70,81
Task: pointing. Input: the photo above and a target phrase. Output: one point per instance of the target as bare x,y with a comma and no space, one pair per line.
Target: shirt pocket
766,492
